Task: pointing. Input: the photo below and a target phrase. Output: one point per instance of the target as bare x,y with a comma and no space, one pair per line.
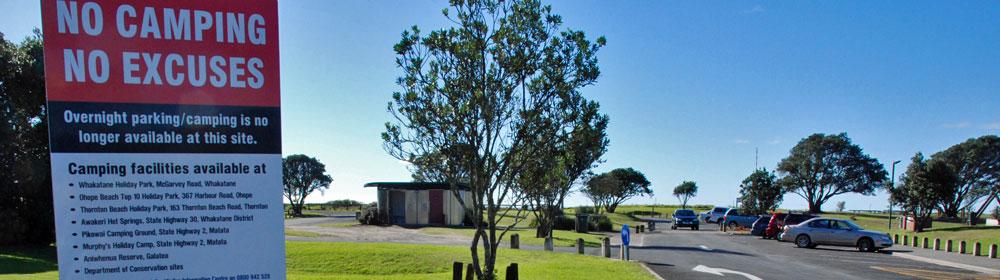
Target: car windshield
719,210
683,213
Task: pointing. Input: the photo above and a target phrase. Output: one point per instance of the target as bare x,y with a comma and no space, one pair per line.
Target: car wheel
803,241
673,227
866,245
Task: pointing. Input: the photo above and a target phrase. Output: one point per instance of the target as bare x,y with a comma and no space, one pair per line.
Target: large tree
598,188
924,184
480,93
686,190
616,186
303,175
977,165
551,176
823,166
25,180
760,193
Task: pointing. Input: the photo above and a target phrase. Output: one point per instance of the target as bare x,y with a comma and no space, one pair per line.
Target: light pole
892,184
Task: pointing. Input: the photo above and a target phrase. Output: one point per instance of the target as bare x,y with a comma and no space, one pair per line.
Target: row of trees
965,176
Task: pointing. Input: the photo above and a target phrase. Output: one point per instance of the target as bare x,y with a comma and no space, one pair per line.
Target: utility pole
892,184
755,159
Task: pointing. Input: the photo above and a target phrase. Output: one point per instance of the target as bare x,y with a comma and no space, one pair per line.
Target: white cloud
741,141
956,125
754,10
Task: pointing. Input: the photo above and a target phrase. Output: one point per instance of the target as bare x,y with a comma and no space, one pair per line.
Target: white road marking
723,271
947,263
703,247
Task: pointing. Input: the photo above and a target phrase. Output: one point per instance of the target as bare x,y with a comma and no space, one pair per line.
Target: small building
417,204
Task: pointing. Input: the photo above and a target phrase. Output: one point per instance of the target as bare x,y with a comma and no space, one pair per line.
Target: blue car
685,218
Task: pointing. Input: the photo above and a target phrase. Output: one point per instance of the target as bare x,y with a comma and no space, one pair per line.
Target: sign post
625,242
164,123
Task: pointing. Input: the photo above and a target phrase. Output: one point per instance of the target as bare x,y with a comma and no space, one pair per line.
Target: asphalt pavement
712,254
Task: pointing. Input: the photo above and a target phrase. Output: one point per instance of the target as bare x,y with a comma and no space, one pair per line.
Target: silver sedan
835,232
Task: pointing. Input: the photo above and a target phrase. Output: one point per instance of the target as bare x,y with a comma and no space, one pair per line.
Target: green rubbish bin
582,223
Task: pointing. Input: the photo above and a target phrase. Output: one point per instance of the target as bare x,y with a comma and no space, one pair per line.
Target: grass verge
349,261
560,238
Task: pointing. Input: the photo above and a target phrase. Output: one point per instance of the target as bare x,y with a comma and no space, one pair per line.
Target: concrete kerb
650,270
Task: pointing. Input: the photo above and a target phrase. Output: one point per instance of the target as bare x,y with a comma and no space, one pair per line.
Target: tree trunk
815,208
543,230
611,208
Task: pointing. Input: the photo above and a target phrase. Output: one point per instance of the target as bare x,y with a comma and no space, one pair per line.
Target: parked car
734,219
760,225
715,216
685,218
780,220
835,232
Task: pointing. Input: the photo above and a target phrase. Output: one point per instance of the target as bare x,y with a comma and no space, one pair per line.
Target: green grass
560,238
349,261
28,263
406,261
943,230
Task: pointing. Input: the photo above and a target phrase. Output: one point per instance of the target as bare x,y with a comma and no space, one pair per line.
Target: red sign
163,52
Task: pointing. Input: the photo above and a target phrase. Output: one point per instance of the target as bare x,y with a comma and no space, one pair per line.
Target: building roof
414,186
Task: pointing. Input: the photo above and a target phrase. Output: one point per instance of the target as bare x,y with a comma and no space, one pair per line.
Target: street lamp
892,184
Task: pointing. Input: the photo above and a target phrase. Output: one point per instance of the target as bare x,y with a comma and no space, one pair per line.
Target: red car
780,220
774,226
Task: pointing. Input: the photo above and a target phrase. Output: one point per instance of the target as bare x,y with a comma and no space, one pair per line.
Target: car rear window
719,210
684,213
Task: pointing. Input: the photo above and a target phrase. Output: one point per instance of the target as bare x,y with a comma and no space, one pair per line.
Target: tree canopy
616,186
924,184
760,193
686,190
303,175
976,163
823,166
488,94
25,180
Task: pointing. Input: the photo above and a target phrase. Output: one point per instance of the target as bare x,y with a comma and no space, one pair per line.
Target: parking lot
712,254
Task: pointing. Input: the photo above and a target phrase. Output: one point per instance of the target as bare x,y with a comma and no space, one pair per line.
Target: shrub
600,223
585,210
370,216
644,213
996,212
564,223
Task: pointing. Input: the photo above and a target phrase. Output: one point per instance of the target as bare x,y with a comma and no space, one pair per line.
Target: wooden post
924,244
456,271
512,272
548,244
470,272
915,241
977,248
515,241
895,238
579,246
937,244
961,247
947,246
993,251
906,240
606,247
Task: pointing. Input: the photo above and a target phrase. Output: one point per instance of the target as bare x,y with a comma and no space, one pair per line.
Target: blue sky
692,88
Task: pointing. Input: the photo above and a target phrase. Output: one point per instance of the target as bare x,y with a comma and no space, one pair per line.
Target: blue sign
625,239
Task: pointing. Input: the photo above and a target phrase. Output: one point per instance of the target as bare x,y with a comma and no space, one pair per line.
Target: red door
436,215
